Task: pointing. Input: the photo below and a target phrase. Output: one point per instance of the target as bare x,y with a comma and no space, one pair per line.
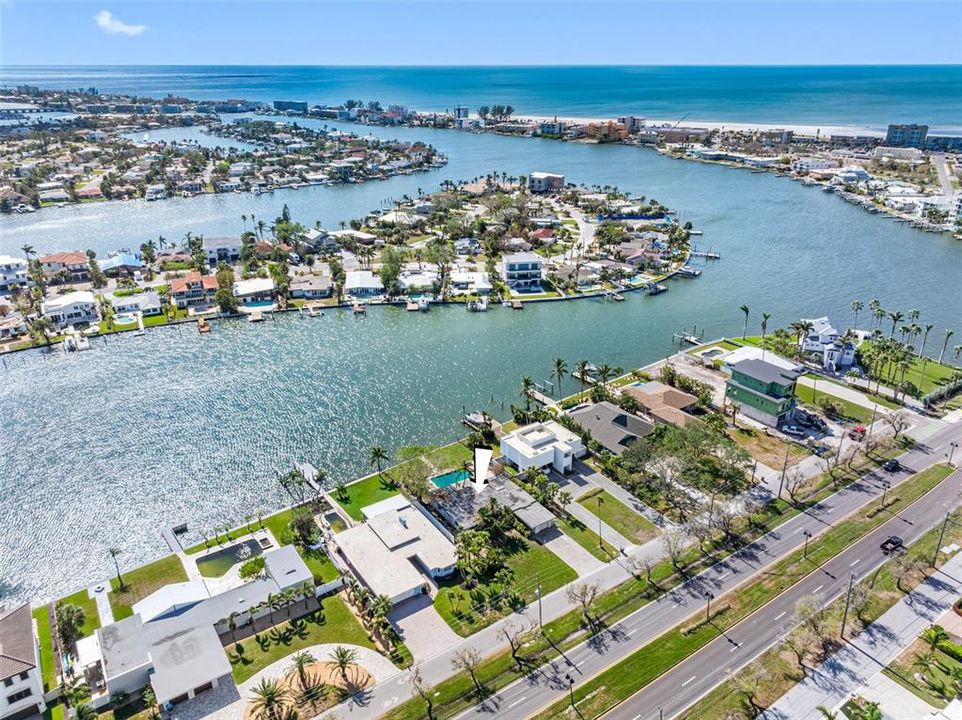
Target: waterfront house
254,291
122,263
543,182
320,240
146,303
12,325
76,307
522,271
470,282
610,426
823,342
195,289
459,504
13,273
394,546
222,248
765,392
21,693
73,263
467,246
311,287
542,445
362,283
663,403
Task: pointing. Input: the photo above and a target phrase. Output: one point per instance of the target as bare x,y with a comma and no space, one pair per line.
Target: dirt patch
767,449
324,687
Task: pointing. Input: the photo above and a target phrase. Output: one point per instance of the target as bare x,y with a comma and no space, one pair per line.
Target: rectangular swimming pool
450,478
217,563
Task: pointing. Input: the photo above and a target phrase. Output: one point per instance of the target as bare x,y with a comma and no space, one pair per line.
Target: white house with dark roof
21,685
824,341
522,271
226,248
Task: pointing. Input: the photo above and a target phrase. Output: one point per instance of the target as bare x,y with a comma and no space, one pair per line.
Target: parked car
857,433
891,544
892,466
793,430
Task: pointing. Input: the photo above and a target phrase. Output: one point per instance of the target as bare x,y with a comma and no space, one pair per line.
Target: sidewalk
835,680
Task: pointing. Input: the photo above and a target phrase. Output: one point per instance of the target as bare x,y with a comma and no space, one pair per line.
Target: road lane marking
580,664
722,577
817,589
688,680
520,700
780,615
856,562
734,648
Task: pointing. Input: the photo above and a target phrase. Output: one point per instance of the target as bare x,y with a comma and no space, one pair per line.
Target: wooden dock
310,474
710,255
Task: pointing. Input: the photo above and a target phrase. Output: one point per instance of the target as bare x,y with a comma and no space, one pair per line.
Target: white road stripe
855,562
520,700
780,615
817,589
688,680
722,577
734,648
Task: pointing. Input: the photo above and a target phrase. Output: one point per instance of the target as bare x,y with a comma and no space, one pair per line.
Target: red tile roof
72,257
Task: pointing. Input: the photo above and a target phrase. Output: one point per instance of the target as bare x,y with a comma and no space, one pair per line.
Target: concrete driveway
422,629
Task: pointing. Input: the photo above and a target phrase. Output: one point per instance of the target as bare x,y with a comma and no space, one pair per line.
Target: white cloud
112,26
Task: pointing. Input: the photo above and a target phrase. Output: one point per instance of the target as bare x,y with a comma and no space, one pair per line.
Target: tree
899,422
799,641
271,701
516,637
70,621
945,344
378,455
933,635
225,300
468,660
744,309
419,687
114,552
674,547
584,594
581,370
527,385
343,658
299,664
747,683
302,525
810,613
857,307
559,371
85,711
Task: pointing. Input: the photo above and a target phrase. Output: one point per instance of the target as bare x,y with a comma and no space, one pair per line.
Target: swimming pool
220,561
450,478
125,319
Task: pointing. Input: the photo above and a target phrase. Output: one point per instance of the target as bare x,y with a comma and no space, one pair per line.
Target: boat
412,306
612,295
255,316
424,304
689,272
359,307
70,343
82,343
696,232
656,288
479,305
202,325
475,420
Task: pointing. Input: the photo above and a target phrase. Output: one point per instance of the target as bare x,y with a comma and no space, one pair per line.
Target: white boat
70,343
82,343
479,305
423,304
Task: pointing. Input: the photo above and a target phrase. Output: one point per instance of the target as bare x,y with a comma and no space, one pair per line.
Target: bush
252,568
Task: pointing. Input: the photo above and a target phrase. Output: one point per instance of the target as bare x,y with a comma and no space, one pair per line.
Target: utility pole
885,488
781,482
935,556
540,617
848,601
872,421
952,446
571,689
601,543
710,597
808,536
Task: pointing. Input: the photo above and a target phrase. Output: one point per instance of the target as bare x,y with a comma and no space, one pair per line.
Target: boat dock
612,295
202,325
710,255
310,474
689,337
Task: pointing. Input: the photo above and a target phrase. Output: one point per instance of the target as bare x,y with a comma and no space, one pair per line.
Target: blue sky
496,32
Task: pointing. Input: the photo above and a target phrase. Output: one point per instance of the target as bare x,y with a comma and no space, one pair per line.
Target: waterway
106,447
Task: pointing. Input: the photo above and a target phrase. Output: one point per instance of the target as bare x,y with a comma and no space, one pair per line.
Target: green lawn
722,344
142,582
621,518
48,666
469,611
850,410
622,679
364,492
935,376
587,538
333,623
320,565
89,606
869,397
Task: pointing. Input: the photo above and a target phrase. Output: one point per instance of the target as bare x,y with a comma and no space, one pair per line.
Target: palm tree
299,665
269,701
527,385
378,455
744,309
857,307
868,711
560,370
896,317
84,712
801,329
945,344
581,370
343,658
826,713
928,328
114,552
28,252
605,371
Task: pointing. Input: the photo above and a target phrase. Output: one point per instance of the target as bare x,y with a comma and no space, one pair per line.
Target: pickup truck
891,545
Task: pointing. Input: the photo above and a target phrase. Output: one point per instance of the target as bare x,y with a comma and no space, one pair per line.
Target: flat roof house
611,426
541,182
21,687
224,248
393,550
311,286
765,392
147,303
363,282
13,273
459,504
542,445
195,289
75,307
522,271
254,290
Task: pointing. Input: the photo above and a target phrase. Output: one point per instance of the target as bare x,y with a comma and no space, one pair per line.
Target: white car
793,430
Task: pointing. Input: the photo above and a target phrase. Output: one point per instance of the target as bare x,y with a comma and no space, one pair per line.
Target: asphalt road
679,688
530,694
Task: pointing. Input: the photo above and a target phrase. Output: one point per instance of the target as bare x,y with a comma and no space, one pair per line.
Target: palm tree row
275,601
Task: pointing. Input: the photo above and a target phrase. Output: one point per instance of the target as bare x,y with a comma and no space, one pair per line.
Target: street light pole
710,597
540,617
952,446
808,536
872,421
571,689
848,601
935,556
601,543
781,482
885,488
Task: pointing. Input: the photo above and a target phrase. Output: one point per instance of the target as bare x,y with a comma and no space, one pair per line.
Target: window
18,696
24,676
8,682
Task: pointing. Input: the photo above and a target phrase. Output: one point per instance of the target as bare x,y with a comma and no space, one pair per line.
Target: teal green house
764,392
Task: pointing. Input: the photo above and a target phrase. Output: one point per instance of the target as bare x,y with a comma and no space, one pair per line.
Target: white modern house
74,307
147,303
222,248
13,273
254,290
824,341
21,686
542,445
470,282
395,548
542,182
522,271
